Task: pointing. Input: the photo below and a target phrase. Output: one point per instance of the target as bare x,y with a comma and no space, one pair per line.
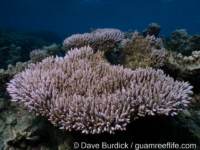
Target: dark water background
68,17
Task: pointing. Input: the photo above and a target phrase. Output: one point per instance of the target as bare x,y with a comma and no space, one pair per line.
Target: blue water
68,17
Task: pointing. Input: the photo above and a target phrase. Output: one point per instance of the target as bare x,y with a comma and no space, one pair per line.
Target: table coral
82,92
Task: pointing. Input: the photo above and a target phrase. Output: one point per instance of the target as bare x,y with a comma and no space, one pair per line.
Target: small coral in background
128,34
77,40
184,65
100,39
141,52
51,50
103,39
37,55
154,29
82,92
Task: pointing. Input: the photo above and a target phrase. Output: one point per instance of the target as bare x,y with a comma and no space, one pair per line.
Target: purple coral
99,39
82,92
107,34
77,40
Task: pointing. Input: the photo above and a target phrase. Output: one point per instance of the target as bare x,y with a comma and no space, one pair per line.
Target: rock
186,113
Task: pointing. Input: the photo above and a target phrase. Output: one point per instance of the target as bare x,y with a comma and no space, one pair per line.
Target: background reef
17,44
24,130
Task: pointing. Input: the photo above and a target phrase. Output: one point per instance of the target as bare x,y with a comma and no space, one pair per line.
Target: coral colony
37,56
83,92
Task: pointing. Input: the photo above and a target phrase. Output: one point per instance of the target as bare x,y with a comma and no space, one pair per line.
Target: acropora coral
100,39
82,92
141,52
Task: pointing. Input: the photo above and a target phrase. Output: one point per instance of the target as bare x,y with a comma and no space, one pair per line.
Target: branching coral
82,92
106,38
77,40
37,56
154,93
100,39
140,52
